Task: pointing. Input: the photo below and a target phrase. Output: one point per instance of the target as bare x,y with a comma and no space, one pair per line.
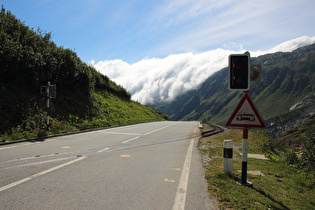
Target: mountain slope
287,78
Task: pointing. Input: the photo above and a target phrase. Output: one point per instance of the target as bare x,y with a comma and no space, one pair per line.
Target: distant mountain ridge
287,78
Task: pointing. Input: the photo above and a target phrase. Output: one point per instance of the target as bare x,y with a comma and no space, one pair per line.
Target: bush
301,153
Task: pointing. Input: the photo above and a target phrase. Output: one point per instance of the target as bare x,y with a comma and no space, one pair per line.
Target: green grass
107,110
280,188
121,112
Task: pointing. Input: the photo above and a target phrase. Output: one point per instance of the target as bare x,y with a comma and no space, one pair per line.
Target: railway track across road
210,129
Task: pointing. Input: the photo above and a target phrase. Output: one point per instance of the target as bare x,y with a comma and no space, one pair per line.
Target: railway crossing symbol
246,115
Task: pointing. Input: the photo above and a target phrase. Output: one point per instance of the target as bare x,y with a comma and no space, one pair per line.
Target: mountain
287,79
29,59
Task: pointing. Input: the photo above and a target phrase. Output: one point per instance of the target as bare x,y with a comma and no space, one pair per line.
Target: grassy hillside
287,78
29,59
113,110
106,109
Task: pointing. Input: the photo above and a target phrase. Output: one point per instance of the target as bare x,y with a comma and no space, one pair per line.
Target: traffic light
239,72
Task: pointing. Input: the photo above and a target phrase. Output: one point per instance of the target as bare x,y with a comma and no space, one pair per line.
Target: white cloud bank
155,80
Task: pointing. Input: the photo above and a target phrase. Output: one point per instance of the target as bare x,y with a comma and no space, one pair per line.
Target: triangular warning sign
246,115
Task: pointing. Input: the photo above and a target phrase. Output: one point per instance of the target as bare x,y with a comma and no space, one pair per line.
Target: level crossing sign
246,115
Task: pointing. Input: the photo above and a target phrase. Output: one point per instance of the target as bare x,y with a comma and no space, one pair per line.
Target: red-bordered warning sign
246,115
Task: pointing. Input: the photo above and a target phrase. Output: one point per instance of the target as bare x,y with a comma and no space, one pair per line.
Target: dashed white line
119,133
158,129
103,150
124,142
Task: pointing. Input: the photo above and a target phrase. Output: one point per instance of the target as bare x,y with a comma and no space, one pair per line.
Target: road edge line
181,193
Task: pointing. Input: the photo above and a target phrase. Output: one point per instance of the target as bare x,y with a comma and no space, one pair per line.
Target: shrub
300,153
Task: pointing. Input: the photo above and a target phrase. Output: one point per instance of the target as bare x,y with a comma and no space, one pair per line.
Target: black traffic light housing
239,72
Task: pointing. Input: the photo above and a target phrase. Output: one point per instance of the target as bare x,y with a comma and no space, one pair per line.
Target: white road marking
124,142
158,129
119,133
180,198
38,163
20,145
109,131
103,150
38,174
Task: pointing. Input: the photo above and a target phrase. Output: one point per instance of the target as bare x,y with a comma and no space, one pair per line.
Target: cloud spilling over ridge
154,80
287,46
163,79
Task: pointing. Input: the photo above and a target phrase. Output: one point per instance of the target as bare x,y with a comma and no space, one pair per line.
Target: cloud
294,44
233,46
287,46
200,25
154,80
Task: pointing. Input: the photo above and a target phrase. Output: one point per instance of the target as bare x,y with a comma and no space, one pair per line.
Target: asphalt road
145,166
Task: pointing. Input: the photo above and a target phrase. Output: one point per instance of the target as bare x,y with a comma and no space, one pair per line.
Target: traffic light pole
241,72
50,91
244,156
48,97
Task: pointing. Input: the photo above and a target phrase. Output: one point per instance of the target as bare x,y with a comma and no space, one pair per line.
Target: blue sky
132,30
159,49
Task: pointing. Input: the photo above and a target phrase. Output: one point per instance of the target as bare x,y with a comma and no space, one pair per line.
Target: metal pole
48,84
244,156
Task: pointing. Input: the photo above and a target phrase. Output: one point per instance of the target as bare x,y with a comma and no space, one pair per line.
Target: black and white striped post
244,159
244,155
228,156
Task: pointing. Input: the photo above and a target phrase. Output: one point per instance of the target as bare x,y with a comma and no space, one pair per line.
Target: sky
159,49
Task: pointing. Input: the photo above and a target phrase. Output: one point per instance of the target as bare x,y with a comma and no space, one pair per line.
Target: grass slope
107,109
117,111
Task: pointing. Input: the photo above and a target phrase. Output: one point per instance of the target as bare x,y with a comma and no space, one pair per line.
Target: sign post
245,115
50,91
244,158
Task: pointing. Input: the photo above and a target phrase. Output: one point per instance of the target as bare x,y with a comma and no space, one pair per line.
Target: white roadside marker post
228,156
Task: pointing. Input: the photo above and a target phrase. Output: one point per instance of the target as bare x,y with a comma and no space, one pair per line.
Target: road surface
145,166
